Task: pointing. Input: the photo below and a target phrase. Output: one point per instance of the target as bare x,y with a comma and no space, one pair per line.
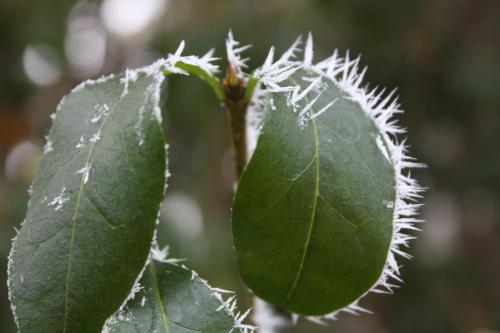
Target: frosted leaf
346,75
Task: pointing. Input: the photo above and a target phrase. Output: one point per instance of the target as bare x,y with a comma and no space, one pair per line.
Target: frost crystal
101,111
169,63
96,137
130,76
344,73
85,172
234,53
388,204
81,143
161,255
48,146
59,201
138,126
87,83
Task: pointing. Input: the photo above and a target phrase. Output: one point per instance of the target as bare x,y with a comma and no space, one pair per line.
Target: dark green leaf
95,199
172,299
312,217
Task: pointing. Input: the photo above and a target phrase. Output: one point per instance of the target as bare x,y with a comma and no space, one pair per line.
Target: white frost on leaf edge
227,305
48,147
381,108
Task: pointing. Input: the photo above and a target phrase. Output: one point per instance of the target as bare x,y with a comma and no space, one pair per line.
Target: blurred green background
443,55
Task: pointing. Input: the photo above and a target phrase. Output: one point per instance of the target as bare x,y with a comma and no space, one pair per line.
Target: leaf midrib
313,213
163,311
161,301
317,195
75,213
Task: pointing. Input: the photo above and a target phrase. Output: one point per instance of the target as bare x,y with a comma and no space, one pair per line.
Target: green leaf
91,218
313,213
173,299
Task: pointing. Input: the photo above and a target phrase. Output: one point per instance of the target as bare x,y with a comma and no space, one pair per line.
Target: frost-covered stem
236,105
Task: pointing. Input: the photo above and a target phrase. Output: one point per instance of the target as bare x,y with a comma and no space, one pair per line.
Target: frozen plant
324,203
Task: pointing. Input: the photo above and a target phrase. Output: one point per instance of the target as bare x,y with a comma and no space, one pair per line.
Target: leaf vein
313,214
101,214
73,219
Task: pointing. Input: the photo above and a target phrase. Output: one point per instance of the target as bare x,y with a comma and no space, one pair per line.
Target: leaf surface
172,299
91,217
313,213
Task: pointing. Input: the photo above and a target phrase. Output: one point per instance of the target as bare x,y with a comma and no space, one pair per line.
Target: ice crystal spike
234,54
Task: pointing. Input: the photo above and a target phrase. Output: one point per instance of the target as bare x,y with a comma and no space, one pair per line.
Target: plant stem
237,119
236,105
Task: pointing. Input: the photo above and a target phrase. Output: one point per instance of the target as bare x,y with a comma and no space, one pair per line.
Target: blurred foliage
444,57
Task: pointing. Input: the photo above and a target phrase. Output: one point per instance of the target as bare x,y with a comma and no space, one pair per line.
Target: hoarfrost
388,204
96,137
48,146
381,146
161,255
234,53
85,172
59,201
101,111
130,76
271,103
138,126
82,142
